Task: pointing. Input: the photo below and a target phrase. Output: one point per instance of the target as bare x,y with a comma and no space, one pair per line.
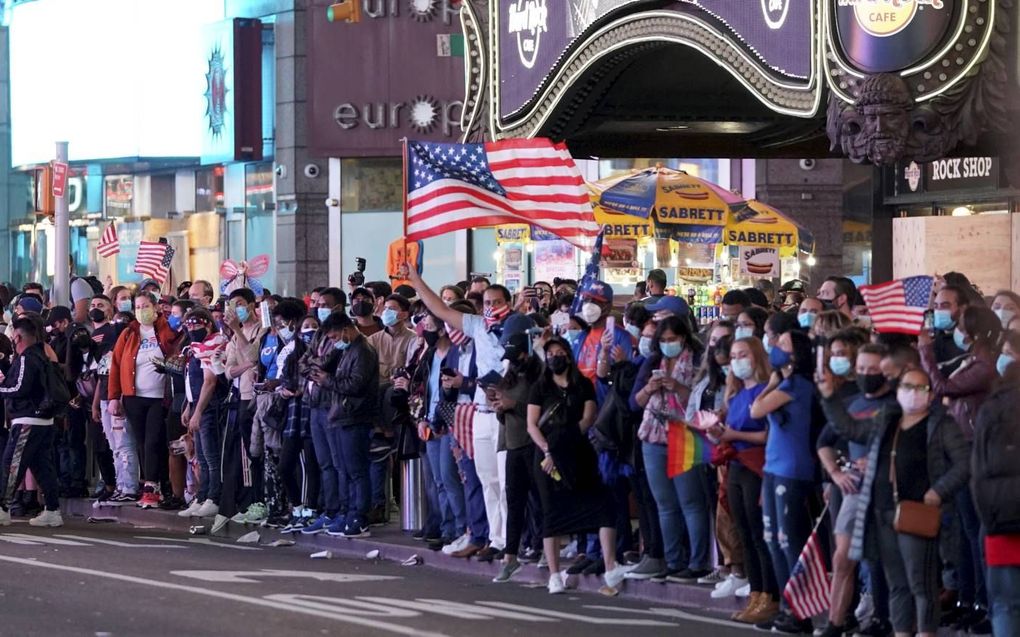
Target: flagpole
403,155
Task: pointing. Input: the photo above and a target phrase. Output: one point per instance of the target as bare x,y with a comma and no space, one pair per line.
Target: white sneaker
569,551
715,578
457,545
207,510
743,591
219,523
614,577
728,587
47,518
865,609
191,510
5,518
239,518
556,586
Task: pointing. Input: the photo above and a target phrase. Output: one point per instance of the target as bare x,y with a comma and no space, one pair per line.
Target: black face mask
827,305
431,338
197,336
871,383
557,364
97,315
82,341
361,309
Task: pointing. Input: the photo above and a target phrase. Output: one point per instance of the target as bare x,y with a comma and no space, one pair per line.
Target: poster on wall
759,262
622,253
130,234
119,194
554,259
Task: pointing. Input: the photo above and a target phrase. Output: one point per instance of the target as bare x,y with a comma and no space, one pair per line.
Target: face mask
146,316
197,336
306,335
243,314
557,364
341,345
806,320
943,320
779,358
97,315
591,313
285,333
958,339
827,305
361,309
390,317
174,322
725,370
431,338
634,331
912,402
323,313
840,365
871,383
125,306
573,336
742,368
645,346
1005,316
743,332
83,341
1004,361
495,315
671,350
767,344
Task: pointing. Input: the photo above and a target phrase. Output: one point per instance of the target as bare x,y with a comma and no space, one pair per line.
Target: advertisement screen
534,34
114,78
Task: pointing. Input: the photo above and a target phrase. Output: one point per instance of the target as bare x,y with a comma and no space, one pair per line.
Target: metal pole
62,240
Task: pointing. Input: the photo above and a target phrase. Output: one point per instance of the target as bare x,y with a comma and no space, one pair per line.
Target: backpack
94,283
56,395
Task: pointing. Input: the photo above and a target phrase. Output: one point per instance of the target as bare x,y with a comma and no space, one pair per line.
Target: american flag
463,427
457,337
899,306
457,186
591,274
154,260
108,243
807,590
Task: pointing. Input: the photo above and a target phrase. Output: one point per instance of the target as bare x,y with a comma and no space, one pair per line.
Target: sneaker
207,510
256,513
529,556
377,516
192,509
239,518
865,608
663,576
556,586
105,496
457,545
874,627
5,518
337,526
357,528
507,572
543,563
318,525
714,578
729,587
614,577
597,567
440,543
578,567
219,523
170,503
489,554
124,498
647,568
743,591
149,500
687,576
569,551
47,518
787,624
279,521
632,558
830,630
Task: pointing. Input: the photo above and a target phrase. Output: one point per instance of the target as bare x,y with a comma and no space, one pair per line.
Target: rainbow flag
685,448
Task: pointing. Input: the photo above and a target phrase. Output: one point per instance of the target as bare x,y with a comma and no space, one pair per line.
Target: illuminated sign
865,29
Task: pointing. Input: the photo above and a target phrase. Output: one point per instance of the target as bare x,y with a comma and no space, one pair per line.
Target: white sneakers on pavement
457,545
556,586
208,509
743,591
728,587
5,518
192,509
613,578
47,519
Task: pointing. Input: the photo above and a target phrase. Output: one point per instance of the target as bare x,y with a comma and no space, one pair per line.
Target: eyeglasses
917,388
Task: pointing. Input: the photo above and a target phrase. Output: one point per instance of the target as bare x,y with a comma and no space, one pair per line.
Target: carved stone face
878,127
885,132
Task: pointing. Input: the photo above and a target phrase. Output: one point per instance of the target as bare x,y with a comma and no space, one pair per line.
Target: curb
395,546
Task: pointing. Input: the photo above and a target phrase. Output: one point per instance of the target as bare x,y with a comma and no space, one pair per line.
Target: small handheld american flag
154,259
807,590
109,245
899,306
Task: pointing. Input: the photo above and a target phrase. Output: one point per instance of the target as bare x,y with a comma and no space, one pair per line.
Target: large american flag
899,306
154,259
108,243
807,590
457,186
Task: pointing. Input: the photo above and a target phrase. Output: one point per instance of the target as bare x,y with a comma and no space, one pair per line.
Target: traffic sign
59,178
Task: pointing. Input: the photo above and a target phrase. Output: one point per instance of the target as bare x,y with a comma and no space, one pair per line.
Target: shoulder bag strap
892,465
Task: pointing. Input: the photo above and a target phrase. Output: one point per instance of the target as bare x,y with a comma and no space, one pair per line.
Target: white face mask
591,313
1005,316
912,402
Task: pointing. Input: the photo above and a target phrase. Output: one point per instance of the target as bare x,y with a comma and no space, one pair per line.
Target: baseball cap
147,282
657,276
515,346
515,324
58,313
672,304
30,304
598,291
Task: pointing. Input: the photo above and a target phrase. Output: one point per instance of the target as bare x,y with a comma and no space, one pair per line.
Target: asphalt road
121,580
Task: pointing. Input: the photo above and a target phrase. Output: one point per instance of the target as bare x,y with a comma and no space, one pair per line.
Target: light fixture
672,129
812,261
689,261
530,247
962,211
495,255
674,262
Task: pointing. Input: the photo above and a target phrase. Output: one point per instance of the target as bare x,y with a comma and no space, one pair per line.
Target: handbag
912,518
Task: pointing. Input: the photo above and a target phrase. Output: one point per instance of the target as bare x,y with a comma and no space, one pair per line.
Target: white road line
241,599
605,621
45,539
123,544
672,612
250,577
10,539
197,540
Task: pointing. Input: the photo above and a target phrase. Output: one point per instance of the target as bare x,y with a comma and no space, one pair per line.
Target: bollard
412,495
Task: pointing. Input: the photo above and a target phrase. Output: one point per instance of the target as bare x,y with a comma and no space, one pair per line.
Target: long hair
679,326
573,374
803,354
759,363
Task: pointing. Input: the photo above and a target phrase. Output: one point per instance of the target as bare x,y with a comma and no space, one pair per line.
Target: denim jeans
207,449
379,472
1004,599
683,509
450,474
787,522
970,564
125,455
444,512
351,457
332,482
478,521
71,451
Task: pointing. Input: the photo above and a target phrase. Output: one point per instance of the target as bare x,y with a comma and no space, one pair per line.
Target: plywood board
980,246
1015,261
909,247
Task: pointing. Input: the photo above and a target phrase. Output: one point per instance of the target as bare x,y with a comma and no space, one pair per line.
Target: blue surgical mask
943,320
125,306
573,336
242,314
285,333
645,346
634,331
1004,361
306,335
323,313
958,339
671,350
840,365
726,370
742,368
779,358
174,322
767,344
389,317
743,332
807,319
341,345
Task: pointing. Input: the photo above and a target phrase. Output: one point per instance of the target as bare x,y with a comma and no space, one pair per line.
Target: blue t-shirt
864,409
268,355
788,452
738,418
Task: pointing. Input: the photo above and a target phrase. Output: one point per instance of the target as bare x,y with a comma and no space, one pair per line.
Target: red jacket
122,363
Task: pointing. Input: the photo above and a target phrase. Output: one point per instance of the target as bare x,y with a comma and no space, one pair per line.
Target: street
117,580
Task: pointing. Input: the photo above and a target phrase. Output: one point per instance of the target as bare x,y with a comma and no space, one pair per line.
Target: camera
357,279
311,171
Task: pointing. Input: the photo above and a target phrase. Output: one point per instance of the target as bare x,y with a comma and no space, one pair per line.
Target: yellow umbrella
760,225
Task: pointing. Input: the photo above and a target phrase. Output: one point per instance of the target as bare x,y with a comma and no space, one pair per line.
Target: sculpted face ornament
876,126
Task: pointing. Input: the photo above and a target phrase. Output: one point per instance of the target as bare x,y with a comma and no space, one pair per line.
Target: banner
759,262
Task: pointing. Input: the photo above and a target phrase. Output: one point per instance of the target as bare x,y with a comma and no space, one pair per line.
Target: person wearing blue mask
1010,353
949,305
751,322
808,311
328,301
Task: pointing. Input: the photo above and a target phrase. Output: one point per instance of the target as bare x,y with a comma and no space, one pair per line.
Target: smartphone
658,373
611,324
929,321
530,291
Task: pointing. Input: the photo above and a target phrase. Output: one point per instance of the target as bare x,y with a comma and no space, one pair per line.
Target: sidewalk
395,545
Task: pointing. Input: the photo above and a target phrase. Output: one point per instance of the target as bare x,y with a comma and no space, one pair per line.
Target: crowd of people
554,414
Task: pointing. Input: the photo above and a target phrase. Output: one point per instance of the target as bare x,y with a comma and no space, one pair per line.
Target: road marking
241,599
116,543
344,606
672,612
457,610
9,538
197,540
248,577
584,619
25,538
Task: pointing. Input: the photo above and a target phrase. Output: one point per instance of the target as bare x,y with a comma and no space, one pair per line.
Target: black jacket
23,385
995,472
355,386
